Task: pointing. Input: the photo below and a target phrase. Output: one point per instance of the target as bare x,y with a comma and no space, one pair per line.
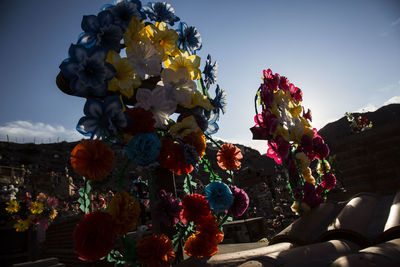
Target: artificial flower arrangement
358,124
29,212
292,142
138,77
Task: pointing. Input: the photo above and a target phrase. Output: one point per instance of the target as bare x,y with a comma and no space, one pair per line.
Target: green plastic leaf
202,88
88,188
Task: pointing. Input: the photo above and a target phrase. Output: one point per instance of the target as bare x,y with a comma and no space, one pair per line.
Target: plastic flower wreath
27,212
358,124
137,68
292,142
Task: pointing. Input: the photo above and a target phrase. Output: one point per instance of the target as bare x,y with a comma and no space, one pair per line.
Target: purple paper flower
240,202
167,209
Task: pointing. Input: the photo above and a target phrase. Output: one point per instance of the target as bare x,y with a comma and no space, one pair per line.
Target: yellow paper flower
21,225
164,39
308,176
282,131
323,168
184,61
200,100
187,126
134,33
300,209
125,79
36,207
125,211
303,161
12,206
295,109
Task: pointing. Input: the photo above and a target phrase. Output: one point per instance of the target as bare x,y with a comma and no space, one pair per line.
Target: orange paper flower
200,246
228,157
155,251
92,159
125,211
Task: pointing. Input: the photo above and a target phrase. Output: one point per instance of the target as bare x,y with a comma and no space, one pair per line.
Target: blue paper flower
87,71
219,102
101,31
219,196
161,11
144,149
124,10
212,118
189,38
210,72
104,118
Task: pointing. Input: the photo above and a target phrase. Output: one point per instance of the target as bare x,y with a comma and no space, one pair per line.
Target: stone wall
369,161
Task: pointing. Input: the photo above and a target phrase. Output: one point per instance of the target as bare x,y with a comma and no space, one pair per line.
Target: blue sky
344,55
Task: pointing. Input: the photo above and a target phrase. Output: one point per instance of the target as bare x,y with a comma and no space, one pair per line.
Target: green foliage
84,200
208,169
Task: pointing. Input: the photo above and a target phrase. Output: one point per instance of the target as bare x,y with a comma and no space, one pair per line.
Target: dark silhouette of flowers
189,38
101,31
161,12
87,71
104,118
167,209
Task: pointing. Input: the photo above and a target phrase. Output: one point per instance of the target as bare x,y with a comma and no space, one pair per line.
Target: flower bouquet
144,90
292,142
28,212
358,124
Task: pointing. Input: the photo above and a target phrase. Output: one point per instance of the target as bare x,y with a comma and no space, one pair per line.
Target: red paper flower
195,208
172,157
155,251
141,121
328,181
228,157
94,236
92,159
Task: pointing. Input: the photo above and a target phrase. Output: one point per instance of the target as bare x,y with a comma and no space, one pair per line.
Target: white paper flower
145,59
156,101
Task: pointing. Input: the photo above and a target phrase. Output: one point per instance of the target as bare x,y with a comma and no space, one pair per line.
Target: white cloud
393,100
397,21
38,132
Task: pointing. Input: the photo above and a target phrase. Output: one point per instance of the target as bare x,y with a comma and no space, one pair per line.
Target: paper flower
161,11
124,10
228,157
145,59
167,209
52,202
12,206
328,181
219,196
92,159
140,121
125,79
240,202
187,126
156,101
125,211
195,208
103,119
36,207
87,71
163,39
219,102
101,31
21,225
189,38
155,250
185,61
172,157
210,72
144,149
94,236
